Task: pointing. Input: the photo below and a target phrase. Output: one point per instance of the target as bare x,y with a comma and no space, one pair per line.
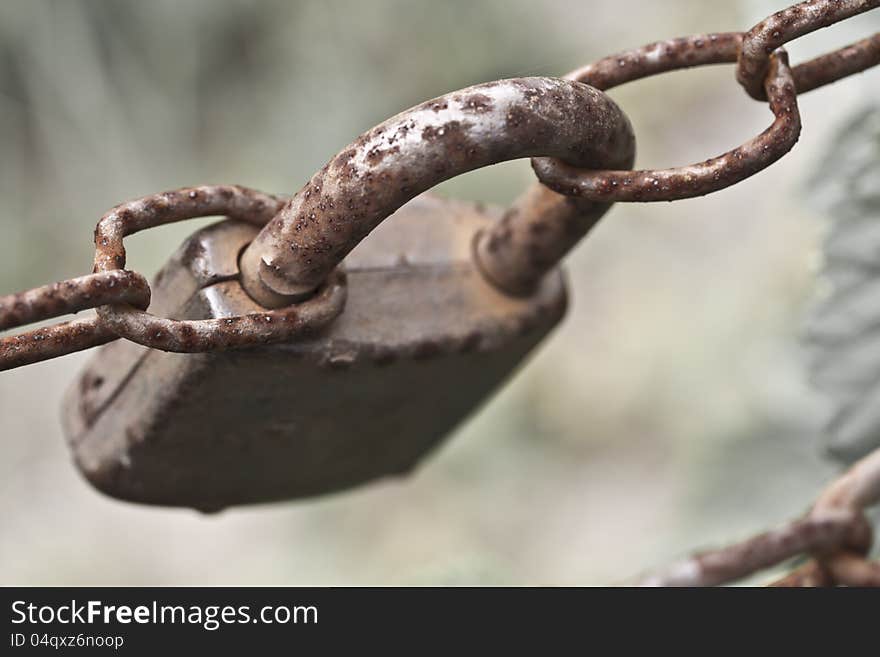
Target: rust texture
577,134
62,298
53,341
764,38
762,551
218,334
532,237
543,224
836,532
582,145
825,69
121,297
696,179
723,48
413,151
235,202
660,57
424,340
125,219
73,295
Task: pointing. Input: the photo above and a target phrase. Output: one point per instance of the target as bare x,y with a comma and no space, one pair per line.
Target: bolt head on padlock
423,341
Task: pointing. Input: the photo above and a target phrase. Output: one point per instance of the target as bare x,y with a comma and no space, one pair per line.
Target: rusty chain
582,144
413,151
795,21
835,533
121,297
236,202
117,286
696,179
582,147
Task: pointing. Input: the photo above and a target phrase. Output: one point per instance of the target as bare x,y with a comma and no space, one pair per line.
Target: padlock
423,340
427,333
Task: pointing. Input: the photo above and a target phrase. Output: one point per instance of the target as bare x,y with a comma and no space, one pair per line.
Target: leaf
844,329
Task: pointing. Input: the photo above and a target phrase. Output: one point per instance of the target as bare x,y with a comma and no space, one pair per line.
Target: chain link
755,52
121,297
74,295
416,149
191,336
835,533
764,38
697,179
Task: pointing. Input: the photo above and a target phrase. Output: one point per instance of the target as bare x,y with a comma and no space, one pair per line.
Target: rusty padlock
445,300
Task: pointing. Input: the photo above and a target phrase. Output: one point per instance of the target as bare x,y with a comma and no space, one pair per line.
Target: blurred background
671,409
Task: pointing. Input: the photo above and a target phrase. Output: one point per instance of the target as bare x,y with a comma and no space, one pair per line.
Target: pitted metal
579,127
447,298
72,296
796,21
256,327
413,151
63,298
424,340
836,65
696,179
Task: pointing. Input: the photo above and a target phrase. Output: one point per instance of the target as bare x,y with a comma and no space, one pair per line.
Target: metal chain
583,147
236,202
793,22
413,151
121,297
299,246
835,532
307,236
754,53
697,179
63,298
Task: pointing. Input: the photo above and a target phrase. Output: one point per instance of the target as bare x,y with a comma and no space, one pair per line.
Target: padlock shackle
423,146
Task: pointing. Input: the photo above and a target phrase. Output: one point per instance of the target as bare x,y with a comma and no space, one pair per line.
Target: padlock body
423,341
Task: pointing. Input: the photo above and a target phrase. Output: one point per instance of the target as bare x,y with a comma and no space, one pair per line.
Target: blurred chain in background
575,284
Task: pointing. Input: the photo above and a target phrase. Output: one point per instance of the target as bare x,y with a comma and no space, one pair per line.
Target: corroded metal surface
659,57
836,65
414,151
795,21
696,179
72,296
573,127
447,299
723,48
543,227
423,341
258,326
121,297
233,201
835,532
63,298
53,341
550,218
532,237
767,549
